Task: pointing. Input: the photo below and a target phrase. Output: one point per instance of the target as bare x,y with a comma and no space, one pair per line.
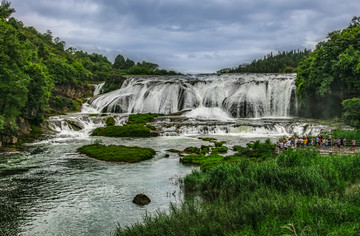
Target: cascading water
98,88
237,95
80,125
50,188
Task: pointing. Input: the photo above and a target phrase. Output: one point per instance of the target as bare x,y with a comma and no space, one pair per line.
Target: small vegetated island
117,153
135,127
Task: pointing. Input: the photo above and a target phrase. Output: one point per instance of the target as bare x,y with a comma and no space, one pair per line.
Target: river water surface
50,189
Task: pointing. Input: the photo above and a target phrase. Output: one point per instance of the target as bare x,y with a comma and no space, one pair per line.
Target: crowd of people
319,142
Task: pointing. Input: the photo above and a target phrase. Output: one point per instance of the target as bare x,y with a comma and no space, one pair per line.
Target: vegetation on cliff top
282,62
118,153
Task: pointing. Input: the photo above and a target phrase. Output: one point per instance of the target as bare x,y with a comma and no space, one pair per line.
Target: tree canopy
35,67
331,73
282,62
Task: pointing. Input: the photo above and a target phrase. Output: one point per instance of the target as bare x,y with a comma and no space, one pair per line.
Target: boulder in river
141,199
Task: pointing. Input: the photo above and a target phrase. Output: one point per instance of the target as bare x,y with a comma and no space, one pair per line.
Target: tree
119,62
129,63
330,74
5,10
352,111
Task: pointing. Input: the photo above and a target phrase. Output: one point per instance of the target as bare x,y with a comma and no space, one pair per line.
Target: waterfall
80,125
237,95
98,88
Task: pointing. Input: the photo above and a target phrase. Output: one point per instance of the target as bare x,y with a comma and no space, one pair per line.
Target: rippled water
59,192
50,189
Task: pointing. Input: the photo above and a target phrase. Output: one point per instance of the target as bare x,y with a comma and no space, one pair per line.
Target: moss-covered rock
208,139
135,127
194,150
110,121
142,118
118,153
221,149
123,131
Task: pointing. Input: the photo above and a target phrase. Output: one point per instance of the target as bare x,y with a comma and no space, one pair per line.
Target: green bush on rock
221,149
123,131
110,121
135,127
142,118
117,153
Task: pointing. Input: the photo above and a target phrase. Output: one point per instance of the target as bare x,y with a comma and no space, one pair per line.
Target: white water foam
206,113
240,95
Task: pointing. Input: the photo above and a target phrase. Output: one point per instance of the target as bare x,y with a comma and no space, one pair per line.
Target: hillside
40,76
282,62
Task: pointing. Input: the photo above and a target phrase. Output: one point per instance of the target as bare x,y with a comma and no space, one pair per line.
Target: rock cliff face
67,90
65,98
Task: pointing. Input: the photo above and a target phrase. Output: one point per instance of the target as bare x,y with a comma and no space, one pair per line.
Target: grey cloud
188,35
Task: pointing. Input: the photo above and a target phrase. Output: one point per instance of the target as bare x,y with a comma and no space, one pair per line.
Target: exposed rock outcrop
141,199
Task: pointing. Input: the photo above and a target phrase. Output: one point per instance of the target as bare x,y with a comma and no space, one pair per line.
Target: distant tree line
128,66
282,62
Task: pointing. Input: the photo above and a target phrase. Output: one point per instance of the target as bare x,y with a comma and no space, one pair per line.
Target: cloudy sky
188,35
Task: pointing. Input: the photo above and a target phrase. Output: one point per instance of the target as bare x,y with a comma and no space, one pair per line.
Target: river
50,189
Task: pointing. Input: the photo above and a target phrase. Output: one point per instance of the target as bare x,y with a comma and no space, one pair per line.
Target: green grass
295,191
142,118
255,151
117,153
135,127
123,131
221,149
348,134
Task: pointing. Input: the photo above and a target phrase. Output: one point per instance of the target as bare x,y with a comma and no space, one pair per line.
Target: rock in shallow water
141,199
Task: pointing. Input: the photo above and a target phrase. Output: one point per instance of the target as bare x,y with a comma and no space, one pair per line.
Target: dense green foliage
110,121
112,83
135,127
39,76
348,134
117,153
123,131
331,74
283,62
255,151
141,68
352,111
142,118
295,193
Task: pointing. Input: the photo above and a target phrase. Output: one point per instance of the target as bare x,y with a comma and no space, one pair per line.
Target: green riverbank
298,192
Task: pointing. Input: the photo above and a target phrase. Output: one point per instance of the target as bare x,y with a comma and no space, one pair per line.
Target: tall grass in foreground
297,192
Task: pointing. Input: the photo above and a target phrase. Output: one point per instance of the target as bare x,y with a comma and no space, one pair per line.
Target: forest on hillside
41,76
328,78
282,62
328,81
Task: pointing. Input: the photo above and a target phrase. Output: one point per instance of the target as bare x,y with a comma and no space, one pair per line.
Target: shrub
110,121
352,111
122,131
142,118
117,153
221,149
